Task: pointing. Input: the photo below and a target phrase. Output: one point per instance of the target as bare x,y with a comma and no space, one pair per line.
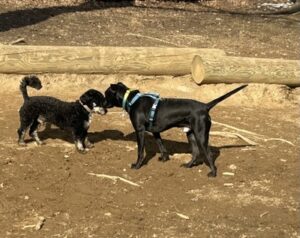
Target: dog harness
154,96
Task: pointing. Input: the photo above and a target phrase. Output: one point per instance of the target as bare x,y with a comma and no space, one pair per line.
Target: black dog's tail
32,81
214,102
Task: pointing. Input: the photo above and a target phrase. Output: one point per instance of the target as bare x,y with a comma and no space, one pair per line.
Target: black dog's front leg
164,153
140,135
79,137
87,143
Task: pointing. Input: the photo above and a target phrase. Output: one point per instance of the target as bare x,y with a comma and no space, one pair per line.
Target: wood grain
106,60
223,69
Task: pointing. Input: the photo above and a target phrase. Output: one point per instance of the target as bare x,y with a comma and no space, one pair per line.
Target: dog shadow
151,148
66,135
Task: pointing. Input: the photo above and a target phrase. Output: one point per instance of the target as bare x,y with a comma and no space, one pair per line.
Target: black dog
66,115
190,114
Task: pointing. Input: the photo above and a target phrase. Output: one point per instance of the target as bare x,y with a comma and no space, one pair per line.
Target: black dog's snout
107,104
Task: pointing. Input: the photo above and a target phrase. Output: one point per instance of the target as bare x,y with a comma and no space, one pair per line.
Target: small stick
115,178
228,173
40,223
182,216
232,135
228,184
280,139
237,129
263,214
17,41
258,136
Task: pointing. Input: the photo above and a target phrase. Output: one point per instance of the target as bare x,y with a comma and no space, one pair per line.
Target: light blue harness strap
151,95
154,96
134,99
152,111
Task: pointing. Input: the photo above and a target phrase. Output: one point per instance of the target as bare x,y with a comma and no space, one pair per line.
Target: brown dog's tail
31,81
214,102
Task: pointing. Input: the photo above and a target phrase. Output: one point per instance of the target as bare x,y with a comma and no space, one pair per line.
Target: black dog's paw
40,143
212,174
22,143
90,145
192,163
135,166
186,165
164,158
82,151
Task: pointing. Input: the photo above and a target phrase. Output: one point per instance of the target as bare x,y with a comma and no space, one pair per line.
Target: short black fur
170,112
66,115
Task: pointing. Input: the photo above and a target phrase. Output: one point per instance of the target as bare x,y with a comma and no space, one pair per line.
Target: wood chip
263,214
40,223
228,184
228,173
182,216
115,178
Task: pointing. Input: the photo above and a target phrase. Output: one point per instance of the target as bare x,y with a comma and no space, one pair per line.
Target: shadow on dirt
151,148
26,17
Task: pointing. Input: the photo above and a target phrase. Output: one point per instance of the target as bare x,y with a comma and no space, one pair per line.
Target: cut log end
197,69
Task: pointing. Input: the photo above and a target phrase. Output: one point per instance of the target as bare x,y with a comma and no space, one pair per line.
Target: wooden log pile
205,65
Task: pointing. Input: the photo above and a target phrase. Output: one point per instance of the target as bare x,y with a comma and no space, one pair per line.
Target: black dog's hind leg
164,153
24,124
140,134
21,133
196,159
33,132
202,137
201,131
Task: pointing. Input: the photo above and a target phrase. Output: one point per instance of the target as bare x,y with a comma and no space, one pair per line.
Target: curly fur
66,115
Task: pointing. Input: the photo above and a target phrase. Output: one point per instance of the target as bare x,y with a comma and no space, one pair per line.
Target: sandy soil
260,199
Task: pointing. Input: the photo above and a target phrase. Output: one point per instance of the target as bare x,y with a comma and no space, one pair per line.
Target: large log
106,60
222,69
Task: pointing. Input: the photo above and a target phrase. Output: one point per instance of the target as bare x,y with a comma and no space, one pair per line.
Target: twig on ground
228,173
257,136
238,129
17,41
156,39
263,214
280,139
182,216
115,178
232,135
38,225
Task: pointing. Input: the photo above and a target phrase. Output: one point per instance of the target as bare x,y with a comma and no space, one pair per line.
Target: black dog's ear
121,84
85,99
114,87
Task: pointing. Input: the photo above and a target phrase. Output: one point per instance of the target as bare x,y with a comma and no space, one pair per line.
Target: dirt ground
260,197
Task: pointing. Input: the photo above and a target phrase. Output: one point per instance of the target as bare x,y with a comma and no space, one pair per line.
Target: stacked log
205,65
